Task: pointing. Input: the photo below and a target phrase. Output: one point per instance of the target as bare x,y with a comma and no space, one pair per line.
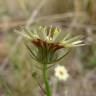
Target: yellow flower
61,73
53,35
47,41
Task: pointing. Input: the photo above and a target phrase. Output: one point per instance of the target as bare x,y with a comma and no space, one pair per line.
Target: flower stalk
45,77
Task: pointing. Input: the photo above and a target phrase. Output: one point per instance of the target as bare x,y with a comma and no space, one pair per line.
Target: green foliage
93,61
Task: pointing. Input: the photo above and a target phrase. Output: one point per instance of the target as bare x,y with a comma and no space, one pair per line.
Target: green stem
45,76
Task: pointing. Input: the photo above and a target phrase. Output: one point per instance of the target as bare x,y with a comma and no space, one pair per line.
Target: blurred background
16,67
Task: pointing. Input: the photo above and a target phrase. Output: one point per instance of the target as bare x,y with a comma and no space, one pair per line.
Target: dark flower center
44,44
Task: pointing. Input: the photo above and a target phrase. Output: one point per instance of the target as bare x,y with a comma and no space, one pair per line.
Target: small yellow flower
61,73
53,35
47,41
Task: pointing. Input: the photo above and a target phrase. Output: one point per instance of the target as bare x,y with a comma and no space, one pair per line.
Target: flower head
51,35
47,41
61,73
